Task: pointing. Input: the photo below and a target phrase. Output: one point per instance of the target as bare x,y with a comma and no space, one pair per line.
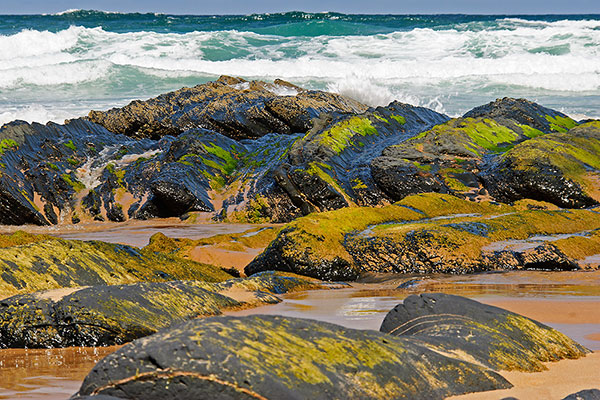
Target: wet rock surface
29,263
109,315
231,106
469,330
276,357
431,233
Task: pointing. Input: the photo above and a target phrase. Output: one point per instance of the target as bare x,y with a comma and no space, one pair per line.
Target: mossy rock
109,315
273,357
469,330
428,233
42,263
561,168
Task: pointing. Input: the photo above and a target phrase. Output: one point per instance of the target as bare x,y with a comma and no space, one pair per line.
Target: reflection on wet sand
46,373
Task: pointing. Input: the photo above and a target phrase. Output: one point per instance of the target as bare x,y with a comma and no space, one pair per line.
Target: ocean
59,66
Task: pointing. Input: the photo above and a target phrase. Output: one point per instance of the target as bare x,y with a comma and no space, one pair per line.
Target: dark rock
467,329
231,106
275,357
471,156
589,394
557,168
109,315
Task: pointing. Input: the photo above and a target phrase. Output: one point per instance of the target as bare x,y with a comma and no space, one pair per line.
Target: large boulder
510,149
272,357
470,330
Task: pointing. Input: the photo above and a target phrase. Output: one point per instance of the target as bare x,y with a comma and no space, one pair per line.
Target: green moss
560,124
379,117
73,182
52,166
399,118
530,132
70,145
7,144
339,136
72,161
229,163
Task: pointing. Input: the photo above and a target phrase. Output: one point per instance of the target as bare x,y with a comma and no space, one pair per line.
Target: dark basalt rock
494,337
109,315
231,106
589,394
558,168
272,357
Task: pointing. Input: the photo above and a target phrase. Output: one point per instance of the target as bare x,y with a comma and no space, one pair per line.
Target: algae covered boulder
561,168
431,233
272,357
450,157
29,263
108,315
469,330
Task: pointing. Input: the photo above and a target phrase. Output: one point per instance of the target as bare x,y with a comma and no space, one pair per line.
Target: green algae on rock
457,156
115,314
471,331
426,233
272,357
31,263
562,168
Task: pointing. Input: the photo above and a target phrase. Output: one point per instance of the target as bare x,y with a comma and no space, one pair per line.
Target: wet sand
562,379
133,233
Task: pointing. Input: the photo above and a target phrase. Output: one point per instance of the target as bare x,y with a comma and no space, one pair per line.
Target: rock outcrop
432,233
466,156
272,357
231,106
29,263
116,314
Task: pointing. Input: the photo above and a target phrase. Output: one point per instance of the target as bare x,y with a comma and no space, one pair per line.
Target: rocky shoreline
355,191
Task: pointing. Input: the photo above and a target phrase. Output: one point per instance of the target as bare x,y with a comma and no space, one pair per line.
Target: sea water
61,66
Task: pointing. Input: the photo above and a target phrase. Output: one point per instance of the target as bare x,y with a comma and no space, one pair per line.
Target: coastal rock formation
231,106
29,263
561,168
81,171
272,357
469,330
432,233
108,315
273,152
506,148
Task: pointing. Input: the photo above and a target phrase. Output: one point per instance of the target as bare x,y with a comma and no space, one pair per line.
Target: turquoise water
60,66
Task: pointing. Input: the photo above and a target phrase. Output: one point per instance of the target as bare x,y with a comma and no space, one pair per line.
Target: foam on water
449,67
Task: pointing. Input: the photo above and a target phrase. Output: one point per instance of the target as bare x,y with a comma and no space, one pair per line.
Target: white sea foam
536,58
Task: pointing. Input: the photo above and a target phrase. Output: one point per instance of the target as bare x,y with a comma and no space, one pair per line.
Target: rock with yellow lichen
476,332
273,357
115,314
432,233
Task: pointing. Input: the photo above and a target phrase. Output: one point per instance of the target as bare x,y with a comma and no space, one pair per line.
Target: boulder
116,314
273,357
469,330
